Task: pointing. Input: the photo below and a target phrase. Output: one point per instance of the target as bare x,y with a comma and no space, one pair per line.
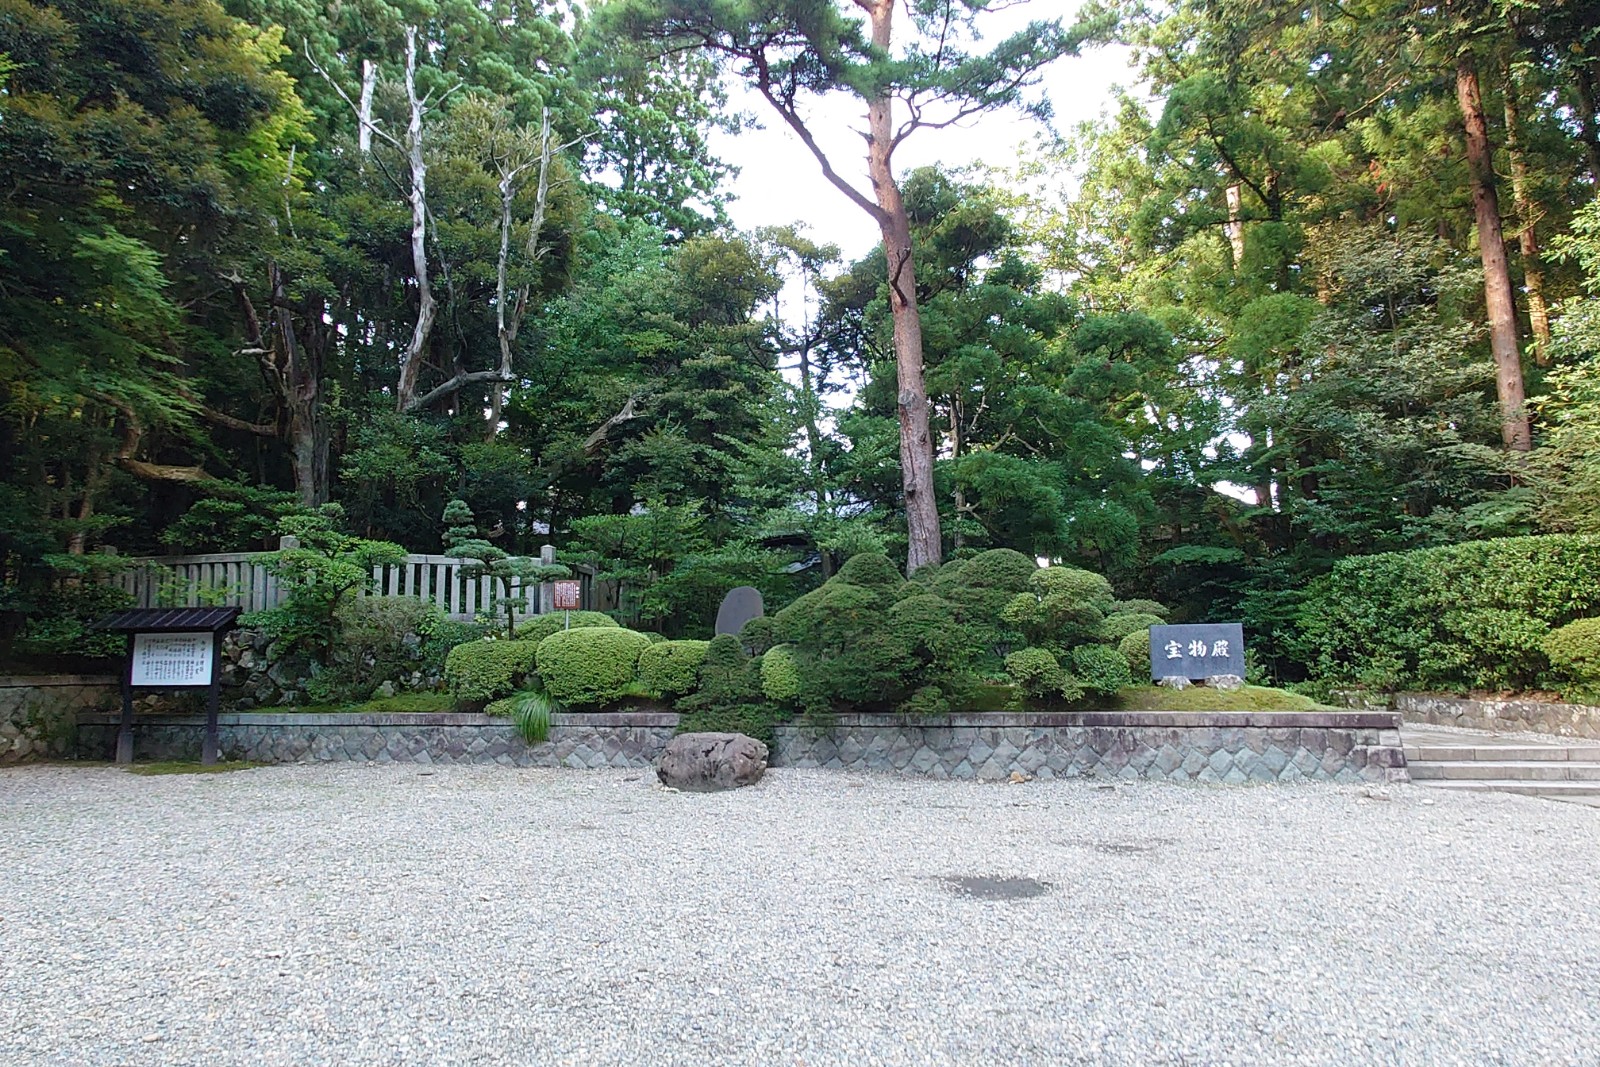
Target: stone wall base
621,741
1229,749
38,714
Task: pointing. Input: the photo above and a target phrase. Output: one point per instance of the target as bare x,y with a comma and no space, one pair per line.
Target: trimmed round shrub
1574,650
590,666
780,674
672,668
871,570
1123,623
488,670
1143,607
1135,648
1036,671
540,627
1101,668
1073,584
1039,675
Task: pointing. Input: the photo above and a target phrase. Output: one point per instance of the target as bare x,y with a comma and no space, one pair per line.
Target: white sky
780,182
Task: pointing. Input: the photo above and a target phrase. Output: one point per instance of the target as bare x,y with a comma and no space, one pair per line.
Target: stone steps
1557,769
1559,790
1504,770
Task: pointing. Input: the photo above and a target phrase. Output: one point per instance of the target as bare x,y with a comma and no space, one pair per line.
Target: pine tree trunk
1514,428
924,542
1588,127
1527,233
1235,224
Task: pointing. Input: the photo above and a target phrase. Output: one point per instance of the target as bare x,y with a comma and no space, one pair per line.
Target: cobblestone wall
1198,747
1534,716
38,716
1343,747
632,739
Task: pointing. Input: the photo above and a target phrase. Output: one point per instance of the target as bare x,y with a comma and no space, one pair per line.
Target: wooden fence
242,579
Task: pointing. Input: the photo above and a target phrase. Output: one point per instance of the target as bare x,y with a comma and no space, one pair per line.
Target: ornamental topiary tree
729,698
1063,606
590,667
319,574
866,638
512,574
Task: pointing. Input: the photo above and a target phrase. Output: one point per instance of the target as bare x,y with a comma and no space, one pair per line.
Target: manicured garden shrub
868,639
729,699
590,666
487,670
978,589
1468,616
1574,652
540,627
1135,649
672,668
1039,675
1101,669
758,635
780,674
1120,624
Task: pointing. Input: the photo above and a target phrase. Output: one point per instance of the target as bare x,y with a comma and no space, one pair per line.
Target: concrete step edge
1462,754
1526,770
1501,785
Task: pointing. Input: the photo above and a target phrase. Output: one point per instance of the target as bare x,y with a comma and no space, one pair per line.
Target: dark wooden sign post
172,648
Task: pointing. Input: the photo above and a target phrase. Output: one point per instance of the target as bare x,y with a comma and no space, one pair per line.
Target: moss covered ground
1201,698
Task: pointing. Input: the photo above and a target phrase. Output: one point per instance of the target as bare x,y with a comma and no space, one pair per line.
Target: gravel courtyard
352,915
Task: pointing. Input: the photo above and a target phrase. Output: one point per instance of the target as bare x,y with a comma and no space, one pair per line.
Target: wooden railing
242,579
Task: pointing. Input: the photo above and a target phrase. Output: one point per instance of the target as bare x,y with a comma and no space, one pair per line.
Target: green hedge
590,666
488,670
540,627
780,674
672,668
1574,652
1469,616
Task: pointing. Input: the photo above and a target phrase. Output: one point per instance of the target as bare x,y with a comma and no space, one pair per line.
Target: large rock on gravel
706,763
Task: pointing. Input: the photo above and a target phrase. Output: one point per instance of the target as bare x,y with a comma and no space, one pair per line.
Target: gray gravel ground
391,915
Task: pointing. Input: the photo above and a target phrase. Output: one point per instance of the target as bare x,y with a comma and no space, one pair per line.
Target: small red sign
568,595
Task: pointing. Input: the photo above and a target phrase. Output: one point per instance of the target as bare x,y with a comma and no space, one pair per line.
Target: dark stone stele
742,604
1174,650
709,763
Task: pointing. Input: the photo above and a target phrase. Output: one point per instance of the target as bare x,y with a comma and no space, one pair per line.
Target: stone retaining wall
1562,720
1181,747
622,739
1204,747
38,715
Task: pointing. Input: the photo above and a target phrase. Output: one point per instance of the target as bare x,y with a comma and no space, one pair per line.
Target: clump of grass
175,766
1203,698
530,712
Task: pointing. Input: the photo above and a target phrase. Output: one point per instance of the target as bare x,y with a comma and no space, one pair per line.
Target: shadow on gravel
983,887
